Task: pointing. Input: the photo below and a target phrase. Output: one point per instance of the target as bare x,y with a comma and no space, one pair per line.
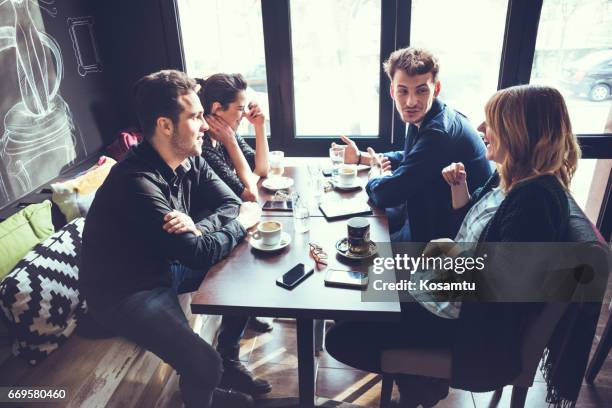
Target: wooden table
302,184
245,284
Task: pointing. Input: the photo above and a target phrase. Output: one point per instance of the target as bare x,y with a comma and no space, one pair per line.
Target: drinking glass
301,215
275,158
314,181
375,169
336,154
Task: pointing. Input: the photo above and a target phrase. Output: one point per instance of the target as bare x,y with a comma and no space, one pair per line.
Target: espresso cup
347,175
358,235
269,232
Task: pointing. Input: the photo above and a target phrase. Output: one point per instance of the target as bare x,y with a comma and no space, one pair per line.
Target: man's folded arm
197,252
424,162
215,196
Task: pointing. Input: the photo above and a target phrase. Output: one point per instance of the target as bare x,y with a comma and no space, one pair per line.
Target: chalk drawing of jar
38,139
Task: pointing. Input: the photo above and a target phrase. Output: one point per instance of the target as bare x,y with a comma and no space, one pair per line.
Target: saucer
356,184
277,183
342,249
284,241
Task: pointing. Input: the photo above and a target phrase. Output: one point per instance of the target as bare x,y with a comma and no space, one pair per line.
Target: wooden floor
274,357
148,382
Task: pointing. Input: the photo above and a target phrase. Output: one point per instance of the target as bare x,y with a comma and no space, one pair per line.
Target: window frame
518,50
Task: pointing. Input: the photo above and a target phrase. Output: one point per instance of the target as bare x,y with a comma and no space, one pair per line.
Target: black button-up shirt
126,250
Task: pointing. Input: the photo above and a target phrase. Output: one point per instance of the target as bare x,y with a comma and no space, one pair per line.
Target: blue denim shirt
445,136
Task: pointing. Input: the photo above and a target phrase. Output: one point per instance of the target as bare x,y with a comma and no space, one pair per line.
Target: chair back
540,329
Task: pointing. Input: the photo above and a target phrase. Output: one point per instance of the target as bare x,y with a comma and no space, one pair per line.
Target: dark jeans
232,327
154,320
360,344
399,228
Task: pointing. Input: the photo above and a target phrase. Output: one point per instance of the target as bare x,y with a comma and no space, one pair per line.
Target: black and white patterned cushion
40,297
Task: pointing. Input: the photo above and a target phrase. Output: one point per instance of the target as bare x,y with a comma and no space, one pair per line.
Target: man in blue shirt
411,186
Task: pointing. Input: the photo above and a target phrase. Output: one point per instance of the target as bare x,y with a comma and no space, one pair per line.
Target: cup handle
256,235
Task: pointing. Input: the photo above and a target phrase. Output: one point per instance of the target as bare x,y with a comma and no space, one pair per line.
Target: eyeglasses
319,255
328,186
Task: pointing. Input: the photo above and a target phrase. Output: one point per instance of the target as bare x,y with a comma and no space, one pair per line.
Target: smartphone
346,279
278,205
294,277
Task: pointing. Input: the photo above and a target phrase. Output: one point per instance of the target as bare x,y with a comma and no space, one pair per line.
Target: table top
301,177
245,282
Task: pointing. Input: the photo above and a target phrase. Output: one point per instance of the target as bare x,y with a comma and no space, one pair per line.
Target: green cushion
21,232
39,216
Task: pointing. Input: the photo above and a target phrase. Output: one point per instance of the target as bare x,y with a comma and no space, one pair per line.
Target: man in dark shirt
142,244
411,187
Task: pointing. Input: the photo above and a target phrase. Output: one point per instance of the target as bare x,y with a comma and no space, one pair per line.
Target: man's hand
351,153
255,115
382,161
250,213
454,174
178,223
220,130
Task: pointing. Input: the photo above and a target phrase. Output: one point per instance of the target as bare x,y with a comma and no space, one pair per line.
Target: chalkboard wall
66,104
56,109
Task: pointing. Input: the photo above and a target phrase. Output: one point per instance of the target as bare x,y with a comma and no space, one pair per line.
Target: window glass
226,36
574,54
336,66
467,38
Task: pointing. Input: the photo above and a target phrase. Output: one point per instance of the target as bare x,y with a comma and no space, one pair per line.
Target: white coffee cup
347,175
269,232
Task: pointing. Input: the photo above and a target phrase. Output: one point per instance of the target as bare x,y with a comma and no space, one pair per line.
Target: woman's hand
456,177
441,247
248,195
255,115
220,130
454,174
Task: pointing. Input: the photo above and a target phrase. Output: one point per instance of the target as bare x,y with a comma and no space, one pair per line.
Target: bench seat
106,372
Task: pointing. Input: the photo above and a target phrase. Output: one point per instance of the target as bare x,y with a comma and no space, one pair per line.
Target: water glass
301,215
375,169
275,158
336,154
314,181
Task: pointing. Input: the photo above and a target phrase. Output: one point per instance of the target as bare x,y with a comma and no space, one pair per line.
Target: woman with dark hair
223,97
528,135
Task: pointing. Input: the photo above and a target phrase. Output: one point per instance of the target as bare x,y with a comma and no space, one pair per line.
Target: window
226,36
336,66
332,52
467,37
574,54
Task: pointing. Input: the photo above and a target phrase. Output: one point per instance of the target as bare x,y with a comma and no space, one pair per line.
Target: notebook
339,209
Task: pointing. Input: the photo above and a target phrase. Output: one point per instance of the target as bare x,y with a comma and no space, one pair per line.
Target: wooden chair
601,353
437,363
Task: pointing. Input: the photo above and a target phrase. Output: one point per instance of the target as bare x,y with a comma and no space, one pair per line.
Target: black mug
358,235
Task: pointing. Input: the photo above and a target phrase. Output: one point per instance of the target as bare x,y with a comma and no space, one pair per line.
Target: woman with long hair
223,97
529,137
